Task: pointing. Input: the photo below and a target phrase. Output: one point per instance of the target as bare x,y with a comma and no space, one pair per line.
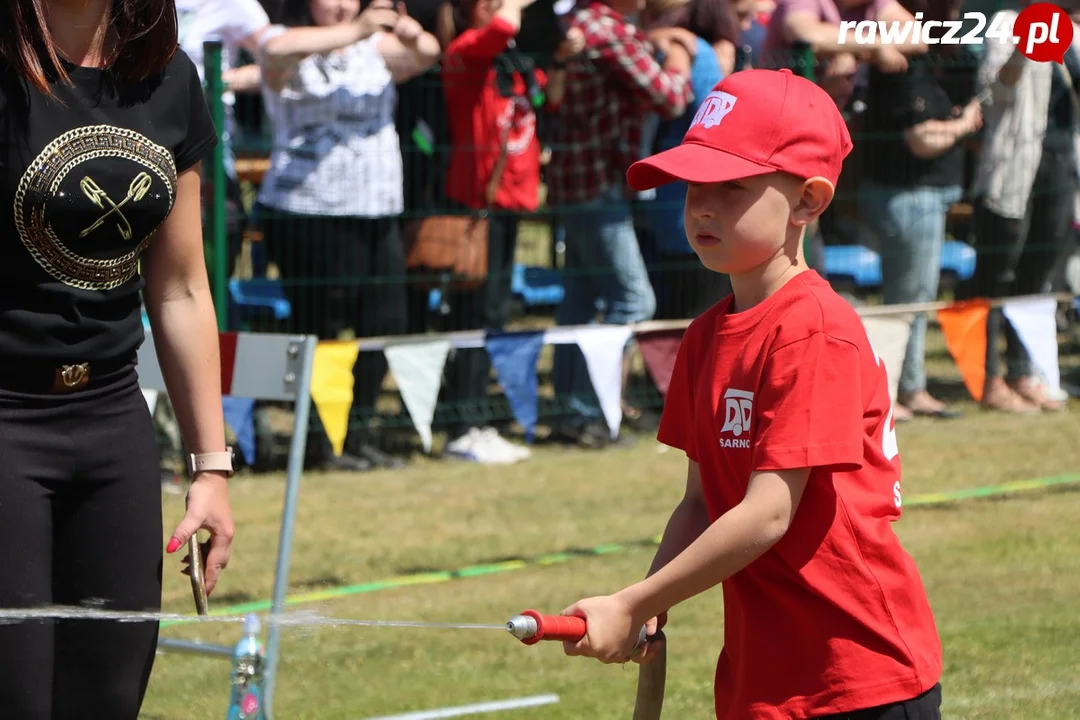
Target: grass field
1003,577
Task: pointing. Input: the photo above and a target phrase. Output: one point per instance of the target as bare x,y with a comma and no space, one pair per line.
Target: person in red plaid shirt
610,89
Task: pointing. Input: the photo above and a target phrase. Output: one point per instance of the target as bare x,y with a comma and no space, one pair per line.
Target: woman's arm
282,49
246,78
932,138
181,311
409,51
555,91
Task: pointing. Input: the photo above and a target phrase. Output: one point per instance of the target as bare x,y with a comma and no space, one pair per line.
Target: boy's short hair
754,122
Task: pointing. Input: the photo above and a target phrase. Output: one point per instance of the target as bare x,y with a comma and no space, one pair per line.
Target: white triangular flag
151,397
889,337
417,369
603,347
1035,321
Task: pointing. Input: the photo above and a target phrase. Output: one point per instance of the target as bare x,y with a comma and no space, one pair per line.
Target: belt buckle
71,377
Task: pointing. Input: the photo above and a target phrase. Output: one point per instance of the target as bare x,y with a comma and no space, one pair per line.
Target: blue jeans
605,278
911,225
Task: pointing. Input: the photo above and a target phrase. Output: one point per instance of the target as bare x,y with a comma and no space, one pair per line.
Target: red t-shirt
479,115
833,618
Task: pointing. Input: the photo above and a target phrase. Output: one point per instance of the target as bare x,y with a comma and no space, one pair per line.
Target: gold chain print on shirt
103,178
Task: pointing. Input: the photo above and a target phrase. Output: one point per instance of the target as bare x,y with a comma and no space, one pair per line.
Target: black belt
51,377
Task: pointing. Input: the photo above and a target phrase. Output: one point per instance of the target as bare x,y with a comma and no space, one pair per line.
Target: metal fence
297,272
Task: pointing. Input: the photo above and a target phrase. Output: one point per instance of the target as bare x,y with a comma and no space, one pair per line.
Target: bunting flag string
417,363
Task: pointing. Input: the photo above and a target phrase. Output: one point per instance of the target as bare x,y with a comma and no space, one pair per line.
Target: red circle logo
1043,32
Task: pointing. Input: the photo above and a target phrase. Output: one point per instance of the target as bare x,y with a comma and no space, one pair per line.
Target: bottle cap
251,624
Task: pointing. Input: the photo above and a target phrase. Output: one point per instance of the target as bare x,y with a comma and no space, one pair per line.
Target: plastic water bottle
246,702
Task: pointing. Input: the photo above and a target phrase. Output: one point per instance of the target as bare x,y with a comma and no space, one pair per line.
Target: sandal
1035,393
922,404
999,396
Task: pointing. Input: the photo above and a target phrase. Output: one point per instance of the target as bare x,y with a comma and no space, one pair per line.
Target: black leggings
80,524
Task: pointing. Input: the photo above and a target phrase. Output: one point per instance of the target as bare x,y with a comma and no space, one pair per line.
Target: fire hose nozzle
530,627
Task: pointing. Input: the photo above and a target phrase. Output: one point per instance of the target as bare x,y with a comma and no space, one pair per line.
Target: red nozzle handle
555,627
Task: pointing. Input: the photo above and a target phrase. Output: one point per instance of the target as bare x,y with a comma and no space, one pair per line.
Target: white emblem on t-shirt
714,108
738,410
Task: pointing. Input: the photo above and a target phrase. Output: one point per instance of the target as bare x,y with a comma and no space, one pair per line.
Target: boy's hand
652,647
611,631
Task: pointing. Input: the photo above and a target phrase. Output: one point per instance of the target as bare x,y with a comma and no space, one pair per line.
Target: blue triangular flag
240,416
514,356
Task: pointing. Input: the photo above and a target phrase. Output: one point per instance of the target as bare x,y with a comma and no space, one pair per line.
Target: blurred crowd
380,114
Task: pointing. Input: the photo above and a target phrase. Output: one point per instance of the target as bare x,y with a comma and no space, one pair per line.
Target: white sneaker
485,447
520,451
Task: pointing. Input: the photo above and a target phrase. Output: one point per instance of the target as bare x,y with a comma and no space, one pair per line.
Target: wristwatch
215,462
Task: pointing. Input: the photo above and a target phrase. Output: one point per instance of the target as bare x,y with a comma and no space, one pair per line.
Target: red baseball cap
752,123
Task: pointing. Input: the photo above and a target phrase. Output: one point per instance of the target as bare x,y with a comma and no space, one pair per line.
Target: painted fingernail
174,544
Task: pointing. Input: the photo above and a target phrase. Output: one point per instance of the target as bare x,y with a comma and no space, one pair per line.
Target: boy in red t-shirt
782,406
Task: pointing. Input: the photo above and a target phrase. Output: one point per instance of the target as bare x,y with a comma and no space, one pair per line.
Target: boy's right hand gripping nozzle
530,627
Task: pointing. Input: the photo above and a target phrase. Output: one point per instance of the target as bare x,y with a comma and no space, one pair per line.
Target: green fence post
215,89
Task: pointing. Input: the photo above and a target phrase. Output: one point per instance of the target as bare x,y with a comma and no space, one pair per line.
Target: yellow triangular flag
332,388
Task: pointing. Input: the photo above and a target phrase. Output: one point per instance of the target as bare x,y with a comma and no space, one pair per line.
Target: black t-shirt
929,90
84,184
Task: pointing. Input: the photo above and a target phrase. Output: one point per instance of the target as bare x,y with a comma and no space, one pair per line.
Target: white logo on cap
713,109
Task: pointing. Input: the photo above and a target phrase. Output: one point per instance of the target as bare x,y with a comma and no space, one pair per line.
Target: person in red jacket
492,95
782,407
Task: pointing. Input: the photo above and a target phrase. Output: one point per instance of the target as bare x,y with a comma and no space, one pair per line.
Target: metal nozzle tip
521,627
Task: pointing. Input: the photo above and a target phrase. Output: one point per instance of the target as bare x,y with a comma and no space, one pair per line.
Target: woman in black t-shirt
102,127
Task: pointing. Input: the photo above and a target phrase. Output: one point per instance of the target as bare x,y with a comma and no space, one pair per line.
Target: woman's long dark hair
146,40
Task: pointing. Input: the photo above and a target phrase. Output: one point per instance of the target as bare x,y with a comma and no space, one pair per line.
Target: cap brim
693,163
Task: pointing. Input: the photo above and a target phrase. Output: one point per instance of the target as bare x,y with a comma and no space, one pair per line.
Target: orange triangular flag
964,327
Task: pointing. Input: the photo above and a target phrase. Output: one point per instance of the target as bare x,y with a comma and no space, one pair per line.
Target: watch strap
214,462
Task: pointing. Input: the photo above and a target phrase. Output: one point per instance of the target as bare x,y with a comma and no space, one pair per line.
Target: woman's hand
611,631
890,60
408,30
207,508
665,37
972,117
379,15
571,45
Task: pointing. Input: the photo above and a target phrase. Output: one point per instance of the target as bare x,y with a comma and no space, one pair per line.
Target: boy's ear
815,195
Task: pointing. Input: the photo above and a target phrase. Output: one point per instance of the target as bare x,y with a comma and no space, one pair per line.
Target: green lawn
1003,576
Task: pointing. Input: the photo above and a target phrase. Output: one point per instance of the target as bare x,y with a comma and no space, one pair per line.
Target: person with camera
493,92
597,134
